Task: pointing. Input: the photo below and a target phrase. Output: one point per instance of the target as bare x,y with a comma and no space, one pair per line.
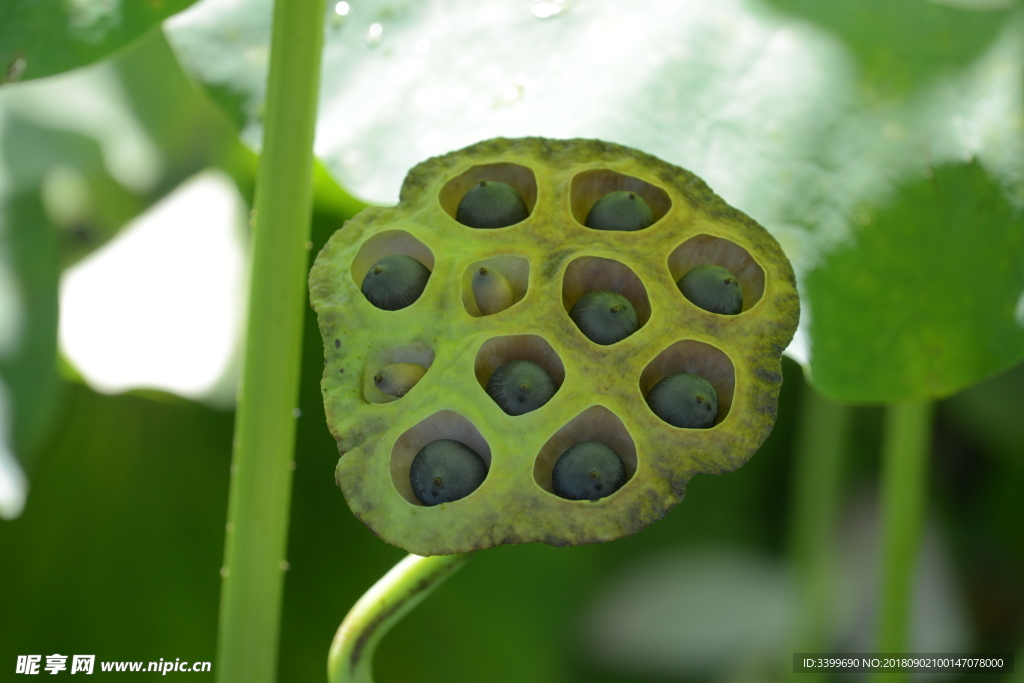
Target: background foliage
880,141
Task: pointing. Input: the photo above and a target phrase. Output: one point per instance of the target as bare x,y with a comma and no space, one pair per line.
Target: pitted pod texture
551,260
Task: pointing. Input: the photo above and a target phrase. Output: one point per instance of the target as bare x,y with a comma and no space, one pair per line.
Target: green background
910,255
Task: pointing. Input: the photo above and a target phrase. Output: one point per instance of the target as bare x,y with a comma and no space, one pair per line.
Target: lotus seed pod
398,378
605,317
492,291
552,263
713,288
395,282
520,386
684,400
491,204
446,470
620,210
588,471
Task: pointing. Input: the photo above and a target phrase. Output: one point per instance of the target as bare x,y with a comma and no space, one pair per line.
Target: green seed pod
398,378
491,204
684,400
491,290
445,470
620,210
713,288
551,261
395,282
605,317
520,386
588,471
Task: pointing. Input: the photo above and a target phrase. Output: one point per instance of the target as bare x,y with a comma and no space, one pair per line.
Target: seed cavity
684,400
605,317
620,210
395,282
520,386
590,470
444,471
712,288
491,204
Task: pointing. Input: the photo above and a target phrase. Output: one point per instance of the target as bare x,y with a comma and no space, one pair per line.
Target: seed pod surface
398,378
713,288
620,210
552,261
520,386
605,317
395,282
492,291
588,471
445,470
684,400
491,204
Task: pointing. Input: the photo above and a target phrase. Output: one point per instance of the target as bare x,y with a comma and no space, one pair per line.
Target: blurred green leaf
822,120
936,307
45,37
901,45
57,201
70,178
117,553
28,320
65,172
189,131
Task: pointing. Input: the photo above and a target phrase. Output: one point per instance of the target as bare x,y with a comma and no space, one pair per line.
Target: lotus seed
620,210
588,471
491,204
395,282
605,317
684,400
520,386
445,470
492,291
713,288
398,378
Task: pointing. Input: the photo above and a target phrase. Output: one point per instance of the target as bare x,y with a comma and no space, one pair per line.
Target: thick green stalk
817,493
391,598
265,426
907,441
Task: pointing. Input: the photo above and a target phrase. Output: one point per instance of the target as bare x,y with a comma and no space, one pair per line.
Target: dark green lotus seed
520,386
620,210
588,471
445,470
713,288
491,204
684,400
395,282
605,317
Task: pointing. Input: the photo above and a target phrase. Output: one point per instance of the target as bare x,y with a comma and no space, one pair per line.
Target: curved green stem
265,426
904,483
395,595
